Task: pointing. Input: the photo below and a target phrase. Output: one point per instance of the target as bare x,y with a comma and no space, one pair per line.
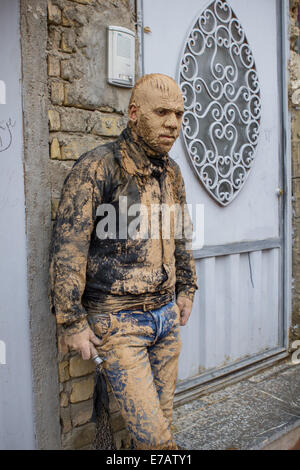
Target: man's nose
171,121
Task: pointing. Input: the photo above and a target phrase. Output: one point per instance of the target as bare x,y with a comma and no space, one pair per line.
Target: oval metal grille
220,86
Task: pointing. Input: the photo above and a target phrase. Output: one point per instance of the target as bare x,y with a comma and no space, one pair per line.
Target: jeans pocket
101,325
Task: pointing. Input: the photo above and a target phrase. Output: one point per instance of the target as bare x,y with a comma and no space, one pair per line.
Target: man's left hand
185,306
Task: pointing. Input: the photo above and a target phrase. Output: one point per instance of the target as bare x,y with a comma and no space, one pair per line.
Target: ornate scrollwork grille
220,86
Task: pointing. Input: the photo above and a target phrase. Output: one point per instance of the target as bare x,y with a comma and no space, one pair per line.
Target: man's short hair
158,81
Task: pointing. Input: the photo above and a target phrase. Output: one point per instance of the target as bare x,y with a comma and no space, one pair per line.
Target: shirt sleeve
186,280
69,248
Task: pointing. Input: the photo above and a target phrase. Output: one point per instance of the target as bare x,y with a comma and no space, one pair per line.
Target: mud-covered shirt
95,254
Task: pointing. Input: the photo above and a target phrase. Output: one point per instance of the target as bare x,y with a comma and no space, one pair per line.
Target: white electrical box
121,56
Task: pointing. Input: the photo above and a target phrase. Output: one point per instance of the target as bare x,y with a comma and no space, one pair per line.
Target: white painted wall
16,397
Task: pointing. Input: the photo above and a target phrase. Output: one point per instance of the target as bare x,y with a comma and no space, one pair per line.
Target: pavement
260,412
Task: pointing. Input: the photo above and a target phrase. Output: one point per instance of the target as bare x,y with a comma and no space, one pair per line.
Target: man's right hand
84,343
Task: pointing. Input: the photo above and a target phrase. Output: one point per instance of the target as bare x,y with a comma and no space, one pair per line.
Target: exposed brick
82,390
296,236
65,419
81,412
80,120
74,146
106,109
79,367
65,21
54,37
79,437
53,66
64,400
294,67
54,120
68,387
296,194
107,124
83,2
74,120
66,69
63,370
57,92
55,149
74,94
54,13
296,158
75,14
68,39
71,69
69,101
295,124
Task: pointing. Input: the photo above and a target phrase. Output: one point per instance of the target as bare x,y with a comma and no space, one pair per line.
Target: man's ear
132,114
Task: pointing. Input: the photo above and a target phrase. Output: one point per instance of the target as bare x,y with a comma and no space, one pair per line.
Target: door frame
197,385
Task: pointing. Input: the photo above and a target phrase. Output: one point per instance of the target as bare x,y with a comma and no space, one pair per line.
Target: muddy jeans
140,352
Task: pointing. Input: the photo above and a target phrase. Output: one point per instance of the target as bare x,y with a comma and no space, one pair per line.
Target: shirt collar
135,155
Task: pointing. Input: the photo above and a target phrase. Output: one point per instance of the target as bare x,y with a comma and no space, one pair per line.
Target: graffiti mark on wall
6,136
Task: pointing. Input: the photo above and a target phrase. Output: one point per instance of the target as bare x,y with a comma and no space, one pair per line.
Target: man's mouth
169,137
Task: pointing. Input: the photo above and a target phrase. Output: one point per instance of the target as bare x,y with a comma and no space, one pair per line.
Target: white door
230,154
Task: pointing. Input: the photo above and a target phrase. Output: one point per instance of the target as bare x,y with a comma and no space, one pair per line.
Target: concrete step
260,412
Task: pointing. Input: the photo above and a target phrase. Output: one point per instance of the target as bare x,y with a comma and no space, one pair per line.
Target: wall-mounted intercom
121,56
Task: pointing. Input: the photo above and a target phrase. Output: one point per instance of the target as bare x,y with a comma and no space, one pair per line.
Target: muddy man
122,272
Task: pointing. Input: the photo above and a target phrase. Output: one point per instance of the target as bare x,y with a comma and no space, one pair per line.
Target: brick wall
84,112
294,102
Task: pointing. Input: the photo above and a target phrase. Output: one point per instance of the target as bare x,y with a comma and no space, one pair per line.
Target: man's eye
160,112
179,115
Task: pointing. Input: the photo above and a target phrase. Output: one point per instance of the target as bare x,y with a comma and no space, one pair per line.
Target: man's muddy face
158,117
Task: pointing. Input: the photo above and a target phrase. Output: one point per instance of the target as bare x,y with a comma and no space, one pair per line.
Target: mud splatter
140,352
122,272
